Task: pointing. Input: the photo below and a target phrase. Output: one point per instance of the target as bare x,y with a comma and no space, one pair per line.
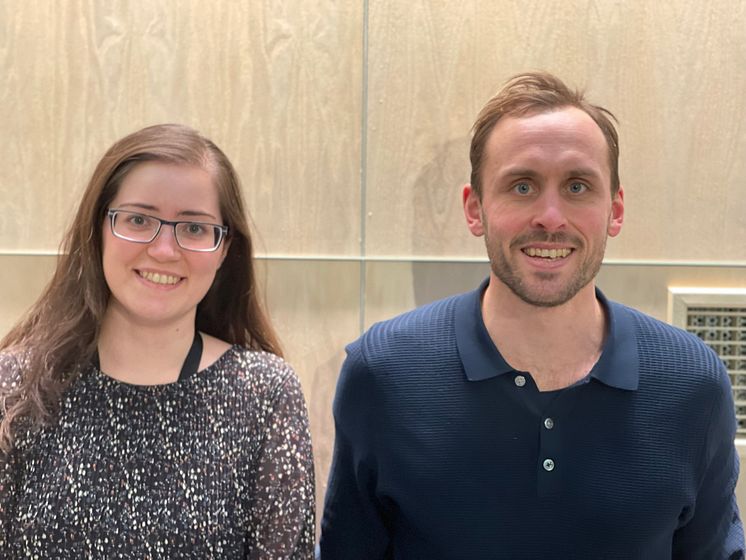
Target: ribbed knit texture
429,465
215,466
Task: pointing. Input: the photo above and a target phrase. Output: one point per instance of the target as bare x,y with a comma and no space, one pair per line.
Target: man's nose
549,212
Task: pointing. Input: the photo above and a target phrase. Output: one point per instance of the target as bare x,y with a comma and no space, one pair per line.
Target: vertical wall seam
363,168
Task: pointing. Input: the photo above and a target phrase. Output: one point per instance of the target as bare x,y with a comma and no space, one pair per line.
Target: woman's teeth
159,278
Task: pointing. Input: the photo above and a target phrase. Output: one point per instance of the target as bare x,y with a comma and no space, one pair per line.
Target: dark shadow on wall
433,280
437,207
437,196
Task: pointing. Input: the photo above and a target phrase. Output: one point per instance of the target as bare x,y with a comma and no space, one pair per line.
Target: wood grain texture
646,287
315,307
673,73
22,279
276,85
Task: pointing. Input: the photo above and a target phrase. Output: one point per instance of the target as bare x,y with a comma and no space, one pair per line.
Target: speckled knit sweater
217,465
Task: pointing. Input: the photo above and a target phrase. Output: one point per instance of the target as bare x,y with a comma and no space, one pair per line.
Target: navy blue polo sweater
443,451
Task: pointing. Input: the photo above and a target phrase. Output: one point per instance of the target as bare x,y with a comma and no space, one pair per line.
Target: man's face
546,207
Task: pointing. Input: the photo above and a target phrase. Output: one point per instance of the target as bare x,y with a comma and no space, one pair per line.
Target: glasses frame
112,213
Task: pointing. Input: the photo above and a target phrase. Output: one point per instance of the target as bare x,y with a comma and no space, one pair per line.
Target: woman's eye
522,188
137,220
577,188
195,229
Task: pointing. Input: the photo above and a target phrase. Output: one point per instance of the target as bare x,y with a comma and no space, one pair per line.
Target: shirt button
548,423
520,381
548,465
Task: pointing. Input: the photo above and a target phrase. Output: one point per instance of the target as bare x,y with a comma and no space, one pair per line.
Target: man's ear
617,213
473,211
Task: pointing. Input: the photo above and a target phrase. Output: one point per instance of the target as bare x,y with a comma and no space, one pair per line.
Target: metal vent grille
719,318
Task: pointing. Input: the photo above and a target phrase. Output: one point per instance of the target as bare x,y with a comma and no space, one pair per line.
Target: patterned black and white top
217,465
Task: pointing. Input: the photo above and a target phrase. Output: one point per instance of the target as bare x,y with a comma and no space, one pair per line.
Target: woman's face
160,283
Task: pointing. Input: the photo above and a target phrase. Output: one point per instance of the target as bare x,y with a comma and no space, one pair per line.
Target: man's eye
577,188
522,188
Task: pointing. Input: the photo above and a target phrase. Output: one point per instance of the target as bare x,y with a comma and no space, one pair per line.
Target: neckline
187,380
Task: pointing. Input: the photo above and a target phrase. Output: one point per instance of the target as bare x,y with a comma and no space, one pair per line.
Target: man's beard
521,286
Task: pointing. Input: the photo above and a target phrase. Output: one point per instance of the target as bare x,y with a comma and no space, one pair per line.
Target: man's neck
557,345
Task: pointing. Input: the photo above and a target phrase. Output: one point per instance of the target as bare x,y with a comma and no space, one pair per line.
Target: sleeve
282,520
9,374
354,523
8,495
713,530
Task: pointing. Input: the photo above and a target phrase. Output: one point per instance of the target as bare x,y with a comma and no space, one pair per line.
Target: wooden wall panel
395,287
22,278
674,73
646,287
315,306
276,85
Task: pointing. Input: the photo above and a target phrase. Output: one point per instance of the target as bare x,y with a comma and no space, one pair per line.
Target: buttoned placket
548,422
550,454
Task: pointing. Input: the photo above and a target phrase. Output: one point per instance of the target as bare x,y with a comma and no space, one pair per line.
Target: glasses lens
197,236
134,226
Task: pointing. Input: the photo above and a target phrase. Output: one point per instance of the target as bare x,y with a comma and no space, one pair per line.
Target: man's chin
545,295
544,299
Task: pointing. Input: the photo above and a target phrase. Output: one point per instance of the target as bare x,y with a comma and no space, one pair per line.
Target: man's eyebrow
520,172
528,172
583,172
183,213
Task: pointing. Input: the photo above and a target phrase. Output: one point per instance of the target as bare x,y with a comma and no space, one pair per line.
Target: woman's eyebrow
151,208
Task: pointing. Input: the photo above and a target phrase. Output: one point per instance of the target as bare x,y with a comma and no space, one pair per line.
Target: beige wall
349,124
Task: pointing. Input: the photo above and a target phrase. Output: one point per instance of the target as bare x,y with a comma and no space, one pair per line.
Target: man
533,418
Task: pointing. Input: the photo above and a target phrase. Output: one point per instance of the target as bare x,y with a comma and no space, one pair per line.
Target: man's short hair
532,93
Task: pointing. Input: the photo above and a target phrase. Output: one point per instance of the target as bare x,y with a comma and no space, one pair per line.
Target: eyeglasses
141,228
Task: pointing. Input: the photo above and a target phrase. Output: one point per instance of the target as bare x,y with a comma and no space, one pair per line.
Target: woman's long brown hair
57,337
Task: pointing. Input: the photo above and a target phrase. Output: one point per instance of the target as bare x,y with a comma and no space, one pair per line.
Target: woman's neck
143,354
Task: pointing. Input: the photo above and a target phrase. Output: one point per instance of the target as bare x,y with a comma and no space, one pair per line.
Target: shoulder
430,324
657,338
11,369
11,373
673,355
257,371
401,351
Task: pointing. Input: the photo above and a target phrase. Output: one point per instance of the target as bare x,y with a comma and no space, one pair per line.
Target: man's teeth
547,253
159,278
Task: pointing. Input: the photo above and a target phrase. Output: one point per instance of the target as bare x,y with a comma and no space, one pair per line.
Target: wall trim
424,259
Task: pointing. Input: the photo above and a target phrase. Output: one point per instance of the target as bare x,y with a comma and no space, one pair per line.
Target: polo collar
617,367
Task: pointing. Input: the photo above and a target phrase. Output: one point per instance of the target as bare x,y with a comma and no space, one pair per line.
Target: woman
146,410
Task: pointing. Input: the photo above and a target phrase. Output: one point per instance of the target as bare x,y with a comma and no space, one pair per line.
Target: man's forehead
569,120
568,134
